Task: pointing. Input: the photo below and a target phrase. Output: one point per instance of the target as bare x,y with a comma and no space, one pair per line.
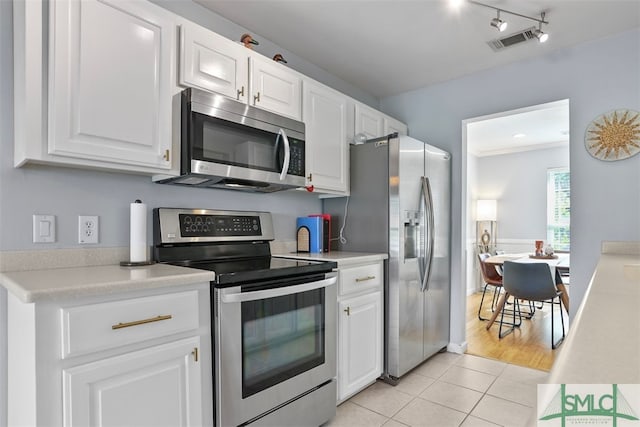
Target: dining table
558,266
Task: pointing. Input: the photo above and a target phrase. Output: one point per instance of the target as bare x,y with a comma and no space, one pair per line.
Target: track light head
499,23
541,35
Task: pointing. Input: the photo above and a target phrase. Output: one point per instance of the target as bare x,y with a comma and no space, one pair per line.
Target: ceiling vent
513,39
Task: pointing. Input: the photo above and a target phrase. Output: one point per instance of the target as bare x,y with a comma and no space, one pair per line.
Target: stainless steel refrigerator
399,203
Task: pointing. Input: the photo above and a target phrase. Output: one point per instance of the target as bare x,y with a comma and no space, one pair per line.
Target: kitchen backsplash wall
67,193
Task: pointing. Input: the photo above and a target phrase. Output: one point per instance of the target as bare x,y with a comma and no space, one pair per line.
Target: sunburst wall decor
614,135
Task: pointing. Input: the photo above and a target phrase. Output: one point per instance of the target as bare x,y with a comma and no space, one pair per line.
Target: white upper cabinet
324,113
214,63
392,125
274,87
110,81
368,121
374,123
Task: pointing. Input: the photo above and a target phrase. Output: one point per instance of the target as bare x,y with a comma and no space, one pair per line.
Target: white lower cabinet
158,386
149,365
360,328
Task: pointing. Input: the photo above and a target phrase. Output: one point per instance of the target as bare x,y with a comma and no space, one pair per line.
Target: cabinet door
158,386
368,121
214,63
324,113
360,343
275,88
110,82
392,125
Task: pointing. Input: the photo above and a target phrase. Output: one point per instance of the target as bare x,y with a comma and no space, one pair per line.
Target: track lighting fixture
541,35
499,23
502,25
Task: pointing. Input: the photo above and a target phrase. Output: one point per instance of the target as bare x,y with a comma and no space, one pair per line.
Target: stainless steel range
274,319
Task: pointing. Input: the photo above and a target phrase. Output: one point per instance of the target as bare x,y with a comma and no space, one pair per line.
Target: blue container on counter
309,234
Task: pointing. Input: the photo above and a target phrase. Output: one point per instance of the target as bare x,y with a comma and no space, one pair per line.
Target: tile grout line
478,402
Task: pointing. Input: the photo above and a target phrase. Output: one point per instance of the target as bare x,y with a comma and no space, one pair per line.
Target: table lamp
486,215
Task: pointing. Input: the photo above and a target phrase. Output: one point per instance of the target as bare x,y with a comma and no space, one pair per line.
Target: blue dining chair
532,282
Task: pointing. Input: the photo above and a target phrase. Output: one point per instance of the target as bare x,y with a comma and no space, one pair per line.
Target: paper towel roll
138,232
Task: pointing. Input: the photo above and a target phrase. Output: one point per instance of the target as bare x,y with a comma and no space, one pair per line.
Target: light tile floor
448,390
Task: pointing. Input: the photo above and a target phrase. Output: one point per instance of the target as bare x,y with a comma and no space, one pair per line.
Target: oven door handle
236,297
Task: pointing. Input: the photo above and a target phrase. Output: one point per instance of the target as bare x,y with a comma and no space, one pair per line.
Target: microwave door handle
287,154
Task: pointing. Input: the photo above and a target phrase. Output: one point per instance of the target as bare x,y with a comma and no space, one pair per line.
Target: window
558,209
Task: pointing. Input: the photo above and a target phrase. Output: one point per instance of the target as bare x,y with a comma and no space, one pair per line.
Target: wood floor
529,345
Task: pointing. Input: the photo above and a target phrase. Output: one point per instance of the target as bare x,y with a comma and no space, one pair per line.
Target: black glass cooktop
263,268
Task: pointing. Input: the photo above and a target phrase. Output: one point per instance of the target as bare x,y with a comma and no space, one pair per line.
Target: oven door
274,343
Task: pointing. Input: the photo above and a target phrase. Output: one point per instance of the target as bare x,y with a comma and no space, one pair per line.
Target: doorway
509,159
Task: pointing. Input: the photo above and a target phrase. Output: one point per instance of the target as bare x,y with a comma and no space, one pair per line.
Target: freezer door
437,294
405,303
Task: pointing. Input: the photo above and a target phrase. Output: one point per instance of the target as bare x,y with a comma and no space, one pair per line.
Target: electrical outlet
87,229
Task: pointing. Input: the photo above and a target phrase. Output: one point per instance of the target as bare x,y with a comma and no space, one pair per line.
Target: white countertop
603,344
341,257
38,285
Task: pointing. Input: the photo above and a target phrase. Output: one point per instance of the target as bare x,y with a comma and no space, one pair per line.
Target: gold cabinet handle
166,155
348,311
256,98
364,279
141,322
195,354
240,92
310,177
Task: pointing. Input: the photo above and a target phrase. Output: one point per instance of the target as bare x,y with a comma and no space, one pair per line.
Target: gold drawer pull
364,279
141,322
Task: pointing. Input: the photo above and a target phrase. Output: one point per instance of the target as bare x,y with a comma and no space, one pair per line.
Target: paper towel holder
136,263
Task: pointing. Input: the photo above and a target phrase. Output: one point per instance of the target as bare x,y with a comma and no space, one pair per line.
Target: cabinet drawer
101,326
360,278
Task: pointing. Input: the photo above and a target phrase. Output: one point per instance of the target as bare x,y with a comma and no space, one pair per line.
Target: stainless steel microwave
231,145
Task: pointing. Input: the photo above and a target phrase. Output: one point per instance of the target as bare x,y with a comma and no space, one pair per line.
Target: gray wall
596,77
518,181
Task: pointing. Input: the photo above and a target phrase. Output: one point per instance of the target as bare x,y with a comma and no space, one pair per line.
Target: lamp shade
486,210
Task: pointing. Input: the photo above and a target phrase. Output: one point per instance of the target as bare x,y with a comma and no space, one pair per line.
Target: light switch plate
44,228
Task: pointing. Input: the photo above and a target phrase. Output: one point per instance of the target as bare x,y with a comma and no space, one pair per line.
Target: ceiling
533,128
386,47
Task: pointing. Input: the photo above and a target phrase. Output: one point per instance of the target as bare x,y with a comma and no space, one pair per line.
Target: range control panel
192,225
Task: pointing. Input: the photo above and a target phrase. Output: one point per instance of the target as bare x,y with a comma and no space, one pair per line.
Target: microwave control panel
296,159
194,225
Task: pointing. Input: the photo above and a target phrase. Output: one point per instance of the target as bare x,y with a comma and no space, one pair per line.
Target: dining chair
490,277
532,282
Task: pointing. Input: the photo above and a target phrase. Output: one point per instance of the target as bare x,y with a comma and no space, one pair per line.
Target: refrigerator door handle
429,241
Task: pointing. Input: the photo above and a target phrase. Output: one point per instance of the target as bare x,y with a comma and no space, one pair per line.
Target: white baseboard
457,348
